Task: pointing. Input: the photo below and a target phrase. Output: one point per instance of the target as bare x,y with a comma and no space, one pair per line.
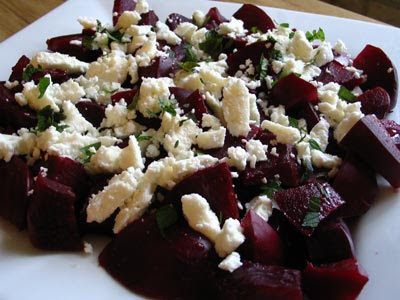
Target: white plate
26,273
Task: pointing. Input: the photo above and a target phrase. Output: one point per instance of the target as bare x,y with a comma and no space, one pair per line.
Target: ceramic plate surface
26,273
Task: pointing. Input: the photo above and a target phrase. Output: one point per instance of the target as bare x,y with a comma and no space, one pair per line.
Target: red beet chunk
215,185
252,52
356,184
161,67
127,95
214,18
263,244
149,18
51,217
120,6
154,123
308,112
15,184
375,101
179,93
331,242
369,139
379,69
11,114
295,202
254,281
342,280
57,75
336,72
394,130
177,266
63,45
174,20
253,16
19,67
292,91
91,111
284,165
194,101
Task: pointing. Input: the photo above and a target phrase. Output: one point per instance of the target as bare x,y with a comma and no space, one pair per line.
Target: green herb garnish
168,105
275,54
284,25
215,44
134,102
191,60
311,218
151,113
315,35
262,68
271,187
29,71
293,122
255,29
48,117
314,144
88,153
44,82
308,172
166,216
176,144
142,138
346,95
322,190
291,35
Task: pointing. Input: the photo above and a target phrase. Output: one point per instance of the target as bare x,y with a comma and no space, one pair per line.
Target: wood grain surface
16,14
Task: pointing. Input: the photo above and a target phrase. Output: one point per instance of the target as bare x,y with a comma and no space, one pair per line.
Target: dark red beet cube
331,242
127,95
285,165
92,111
174,20
369,139
194,101
215,185
379,69
292,91
180,94
149,18
253,281
214,18
161,67
342,280
336,72
120,6
307,111
57,75
176,266
375,101
356,184
16,183
253,16
252,52
51,217
263,244
295,202
19,67
394,130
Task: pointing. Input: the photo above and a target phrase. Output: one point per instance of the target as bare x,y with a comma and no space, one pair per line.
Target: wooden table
16,14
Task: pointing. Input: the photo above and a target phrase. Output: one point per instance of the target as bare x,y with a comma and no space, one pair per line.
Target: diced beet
253,16
11,114
252,52
51,217
120,6
174,20
154,123
253,281
176,266
180,94
342,280
343,58
68,172
263,244
357,185
63,45
214,18
162,66
307,112
394,130
215,185
194,101
379,69
149,18
336,72
92,111
16,183
292,91
375,101
295,202
57,75
331,242
369,139
127,95
18,69
180,51
284,165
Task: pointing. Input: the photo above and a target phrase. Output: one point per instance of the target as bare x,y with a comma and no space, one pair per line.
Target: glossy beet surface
252,52
342,280
149,18
379,69
51,217
255,281
393,129
336,72
91,111
214,18
178,265
16,182
368,138
19,67
375,101
120,6
252,16
174,20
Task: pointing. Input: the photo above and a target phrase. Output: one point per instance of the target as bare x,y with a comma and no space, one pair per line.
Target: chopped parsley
29,71
168,105
134,102
88,152
271,187
166,216
215,44
48,117
44,82
262,68
293,122
291,35
115,35
198,152
176,144
315,35
314,144
276,54
308,172
322,190
142,138
284,25
346,95
311,219
151,113
191,60
255,29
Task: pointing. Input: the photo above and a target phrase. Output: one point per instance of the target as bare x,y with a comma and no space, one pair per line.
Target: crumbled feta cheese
164,33
210,121
237,157
75,121
301,47
151,90
256,152
112,67
323,54
278,115
199,18
48,60
320,133
340,47
117,115
127,19
214,138
142,6
324,160
10,85
199,215
346,124
261,205
233,28
284,134
148,50
229,238
8,145
185,30
231,262
88,22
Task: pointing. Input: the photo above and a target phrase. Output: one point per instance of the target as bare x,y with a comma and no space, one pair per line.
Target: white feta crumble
210,121
320,133
57,60
11,84
127,19
323,54
340,47
346,124
237,157
256,152
164,33
284,134
88,22
142,6
151,91
301,47
214,138
261,205
233,28
75,121
186,30
112,67
231,262
229,238
324,160
199,17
